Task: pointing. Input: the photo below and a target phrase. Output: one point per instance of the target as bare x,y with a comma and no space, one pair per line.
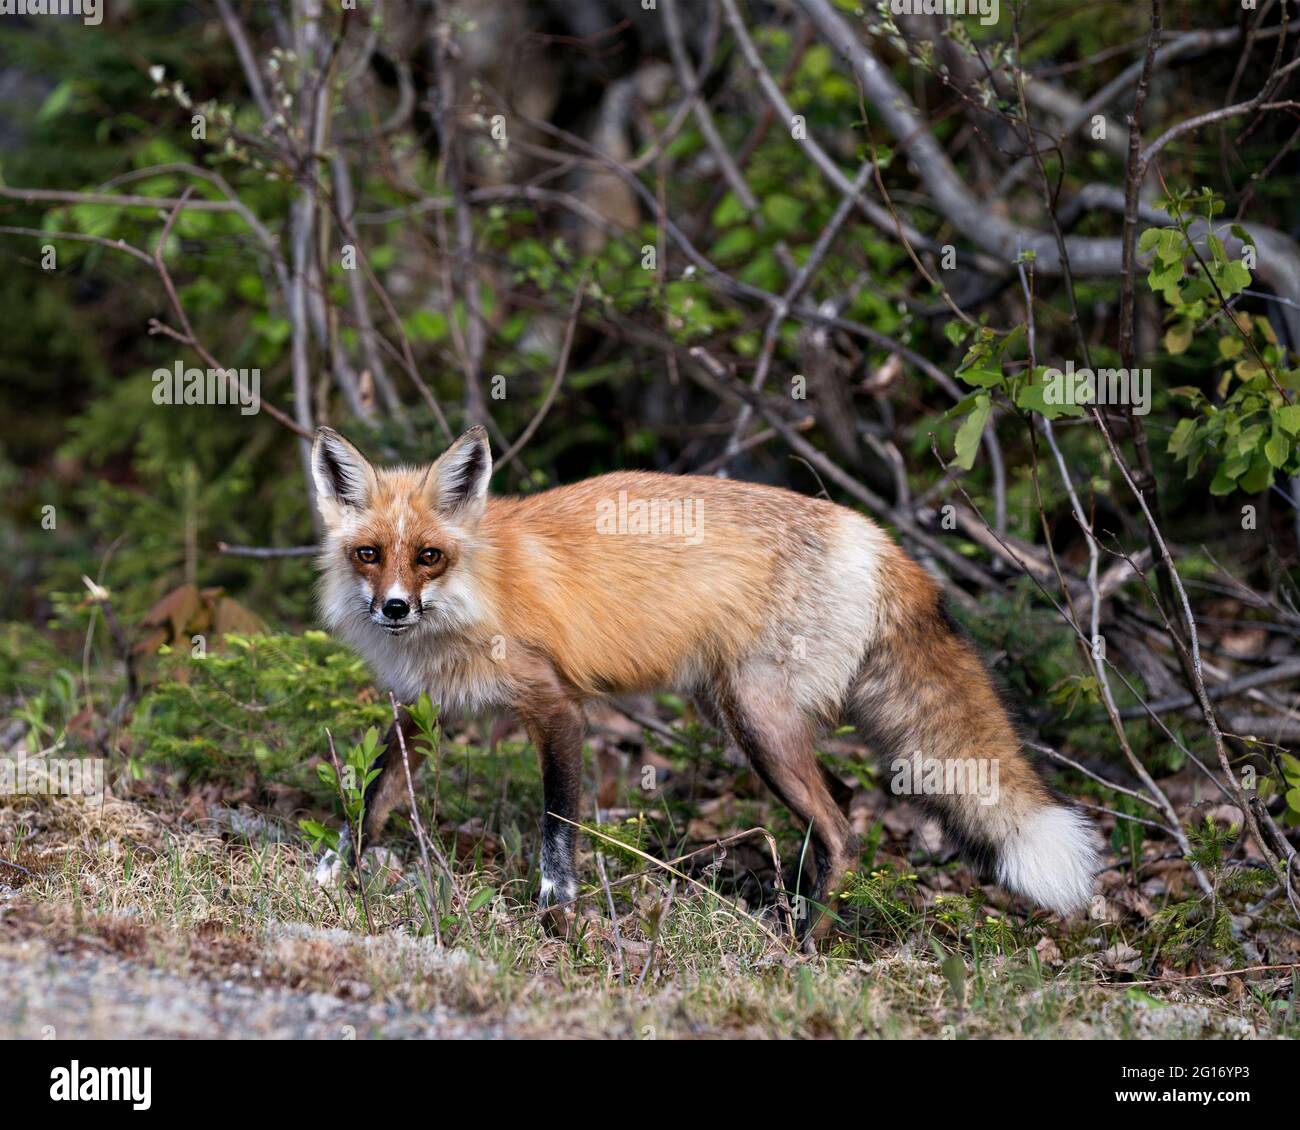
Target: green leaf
733,244
1182,436
1229,347
962,407
1288,418
980,377
1278,448
1033,398
968,435
426,325
1250,438
817,61
1235,277
1178,337
480,899
57,100
1258,477
1164,276
1225,480
763,271
783,212
1170,247
729,211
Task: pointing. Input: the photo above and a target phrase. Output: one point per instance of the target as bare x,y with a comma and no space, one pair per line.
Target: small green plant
258,709
349,781
885,896
48,711
983,932
1186,928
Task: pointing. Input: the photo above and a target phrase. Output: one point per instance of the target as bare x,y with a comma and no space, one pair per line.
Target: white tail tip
1051,860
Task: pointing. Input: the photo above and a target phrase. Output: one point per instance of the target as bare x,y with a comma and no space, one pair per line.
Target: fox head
395,556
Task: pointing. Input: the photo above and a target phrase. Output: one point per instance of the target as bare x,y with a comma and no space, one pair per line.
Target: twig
673,871
1280,673
840,477
229,550
561,366
793,293
420,837
758,439
1197,976
664,907
613,914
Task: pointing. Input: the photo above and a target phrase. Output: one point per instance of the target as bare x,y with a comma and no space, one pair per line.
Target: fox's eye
367,554
429,556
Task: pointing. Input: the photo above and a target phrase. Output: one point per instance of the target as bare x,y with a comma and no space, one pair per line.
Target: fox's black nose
396,609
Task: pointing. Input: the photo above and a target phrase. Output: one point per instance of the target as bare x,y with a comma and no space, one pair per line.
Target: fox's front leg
555,724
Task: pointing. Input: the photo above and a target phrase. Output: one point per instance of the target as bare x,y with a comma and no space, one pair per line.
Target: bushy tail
1050,859
925,702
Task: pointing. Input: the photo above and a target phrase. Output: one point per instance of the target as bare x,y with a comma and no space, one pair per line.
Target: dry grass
148,885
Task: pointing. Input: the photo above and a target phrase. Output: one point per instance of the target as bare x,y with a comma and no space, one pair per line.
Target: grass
176,878
195,866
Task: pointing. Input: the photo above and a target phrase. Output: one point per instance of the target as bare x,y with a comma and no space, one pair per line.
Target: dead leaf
175,612
231,616
473,842
1121,957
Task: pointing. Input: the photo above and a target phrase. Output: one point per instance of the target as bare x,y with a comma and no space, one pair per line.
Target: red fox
777,613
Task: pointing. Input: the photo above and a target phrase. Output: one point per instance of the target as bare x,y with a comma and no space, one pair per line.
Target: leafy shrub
258,711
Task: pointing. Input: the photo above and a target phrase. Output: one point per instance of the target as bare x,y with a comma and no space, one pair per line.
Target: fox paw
331,863
558,921
557,906
328,868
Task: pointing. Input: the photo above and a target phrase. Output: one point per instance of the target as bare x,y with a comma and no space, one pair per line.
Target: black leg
557,735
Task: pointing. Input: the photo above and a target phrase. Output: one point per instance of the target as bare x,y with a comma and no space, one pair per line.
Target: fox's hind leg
778,739
707,708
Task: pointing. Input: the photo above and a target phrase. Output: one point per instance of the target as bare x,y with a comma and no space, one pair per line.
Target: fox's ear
344,477
458,481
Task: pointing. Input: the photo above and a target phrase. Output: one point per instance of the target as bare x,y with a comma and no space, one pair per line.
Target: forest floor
181,911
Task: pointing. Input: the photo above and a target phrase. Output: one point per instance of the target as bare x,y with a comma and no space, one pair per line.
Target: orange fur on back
776,612
625,610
